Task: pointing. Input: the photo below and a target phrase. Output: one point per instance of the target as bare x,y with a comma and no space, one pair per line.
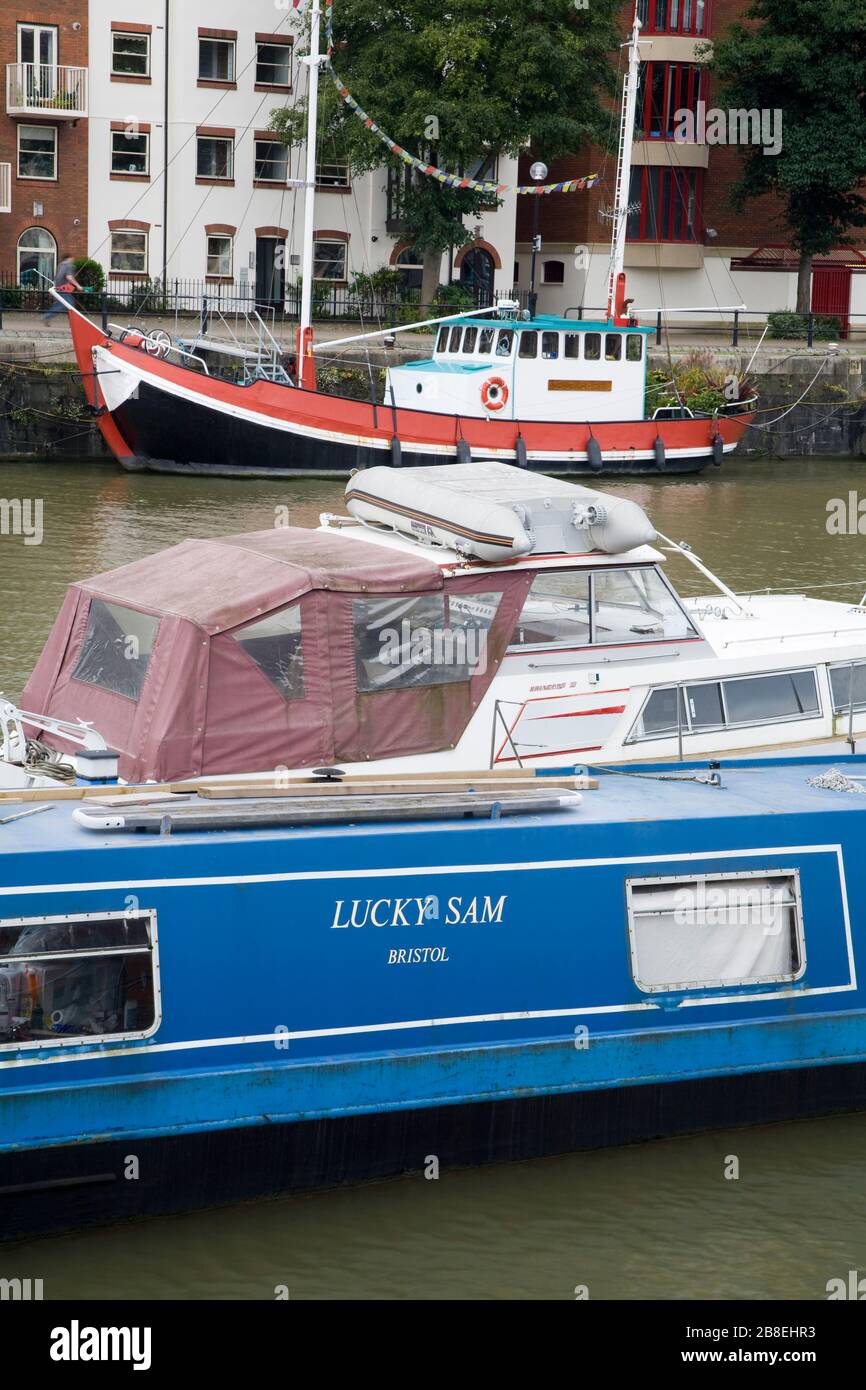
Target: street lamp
538,173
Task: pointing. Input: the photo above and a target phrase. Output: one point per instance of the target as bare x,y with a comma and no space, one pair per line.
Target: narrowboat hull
334,1003
176,420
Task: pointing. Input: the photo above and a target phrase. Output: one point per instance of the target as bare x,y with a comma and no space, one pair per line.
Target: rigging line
164,170
767,423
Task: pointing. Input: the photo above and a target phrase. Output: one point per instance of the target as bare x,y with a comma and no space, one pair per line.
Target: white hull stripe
145,1049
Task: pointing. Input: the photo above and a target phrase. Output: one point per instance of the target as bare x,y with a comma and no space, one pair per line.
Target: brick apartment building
686,245
43,134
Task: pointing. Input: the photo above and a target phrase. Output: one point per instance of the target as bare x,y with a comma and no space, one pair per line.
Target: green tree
806,59
452,86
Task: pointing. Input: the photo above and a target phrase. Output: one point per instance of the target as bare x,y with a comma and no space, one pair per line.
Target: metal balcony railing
41,89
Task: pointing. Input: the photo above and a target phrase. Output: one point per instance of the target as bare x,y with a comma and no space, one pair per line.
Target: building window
37,152
273,64
130,55
128,253
37,45
219,256
271,161
410,264
715,931
37,256
668,204
115,653
216,60
666,89
215,157
332,175
274,644
130,152
553,273
77,978
329,259
673,16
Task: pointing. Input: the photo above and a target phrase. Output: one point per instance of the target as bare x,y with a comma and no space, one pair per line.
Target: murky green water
656,1220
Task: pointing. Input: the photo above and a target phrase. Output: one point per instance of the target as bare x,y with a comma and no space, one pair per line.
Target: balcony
5,187
41,89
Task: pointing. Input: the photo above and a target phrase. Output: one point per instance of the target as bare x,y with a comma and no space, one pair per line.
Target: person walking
64,283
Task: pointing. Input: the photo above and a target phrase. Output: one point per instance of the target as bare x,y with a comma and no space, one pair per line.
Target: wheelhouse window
550,346
848,685
708,706
329,260
433,639
216,60
72,978
37,152
717,931
528,344
130,55
612,347
485,342
275,645
592,347
572,345
220,249
215,157
271,162
469,339
666,204
116,649
504,342
602,607
274,64
130,152
456,339
128,252
634,347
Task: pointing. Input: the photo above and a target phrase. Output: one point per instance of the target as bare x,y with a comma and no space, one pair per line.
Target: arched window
37,256
476,274
410,264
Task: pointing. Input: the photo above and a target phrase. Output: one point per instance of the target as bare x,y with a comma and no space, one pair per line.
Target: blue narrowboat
217,993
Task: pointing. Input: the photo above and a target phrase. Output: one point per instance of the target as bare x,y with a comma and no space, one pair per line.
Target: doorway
476,274
831,293
270,272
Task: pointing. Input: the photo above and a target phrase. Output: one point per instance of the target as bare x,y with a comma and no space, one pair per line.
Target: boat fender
520,457
494,393
718,450
594,455
464,453
659,451
396,453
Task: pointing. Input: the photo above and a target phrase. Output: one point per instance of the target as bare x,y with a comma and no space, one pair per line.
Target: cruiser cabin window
848,684
73,978
116,649
707,706
712,931
600,607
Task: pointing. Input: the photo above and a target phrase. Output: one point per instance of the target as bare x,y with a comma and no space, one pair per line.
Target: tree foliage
454,83
806,58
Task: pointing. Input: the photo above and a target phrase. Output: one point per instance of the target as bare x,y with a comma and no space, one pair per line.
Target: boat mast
306,369
616,278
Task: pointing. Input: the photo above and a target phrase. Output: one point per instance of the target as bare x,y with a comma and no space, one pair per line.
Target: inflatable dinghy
494,511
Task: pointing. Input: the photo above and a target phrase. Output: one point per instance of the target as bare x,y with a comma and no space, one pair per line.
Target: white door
37,47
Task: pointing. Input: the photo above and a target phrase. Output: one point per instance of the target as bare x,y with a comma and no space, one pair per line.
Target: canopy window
116,650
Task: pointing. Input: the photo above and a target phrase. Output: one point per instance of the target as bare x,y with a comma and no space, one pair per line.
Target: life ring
494,393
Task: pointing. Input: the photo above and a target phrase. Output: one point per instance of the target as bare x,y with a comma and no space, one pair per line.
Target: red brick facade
64,199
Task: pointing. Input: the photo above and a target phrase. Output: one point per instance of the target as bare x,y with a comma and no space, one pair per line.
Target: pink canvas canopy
281,648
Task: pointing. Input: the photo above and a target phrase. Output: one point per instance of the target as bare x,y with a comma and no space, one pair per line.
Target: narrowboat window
442,341
841,687
455,339
69,978
556,611
116,649
550,346
528,344
592,347
612,347
425,640
572,345
469,338
788,695
715,931
274,643
635,606
634,347
485,342
504,342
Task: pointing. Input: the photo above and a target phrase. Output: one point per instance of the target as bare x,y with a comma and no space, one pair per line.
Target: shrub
785,324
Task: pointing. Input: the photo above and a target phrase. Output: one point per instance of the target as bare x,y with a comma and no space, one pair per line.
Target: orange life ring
494,393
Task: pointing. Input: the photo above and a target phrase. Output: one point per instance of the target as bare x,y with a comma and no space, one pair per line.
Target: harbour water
773,1212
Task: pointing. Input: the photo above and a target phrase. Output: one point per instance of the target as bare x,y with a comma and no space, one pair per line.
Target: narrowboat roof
680,793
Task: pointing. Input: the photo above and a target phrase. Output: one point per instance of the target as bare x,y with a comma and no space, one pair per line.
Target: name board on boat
560,384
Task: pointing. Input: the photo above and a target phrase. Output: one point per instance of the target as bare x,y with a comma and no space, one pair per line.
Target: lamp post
538,173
